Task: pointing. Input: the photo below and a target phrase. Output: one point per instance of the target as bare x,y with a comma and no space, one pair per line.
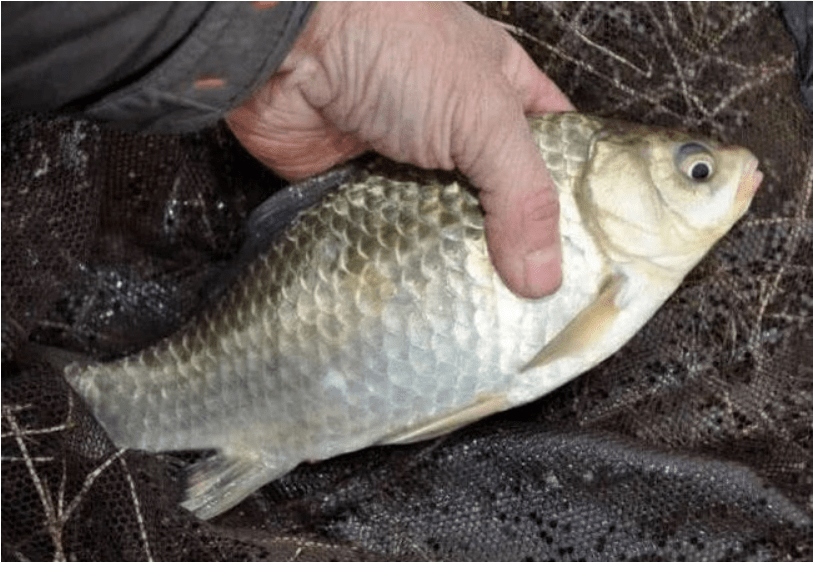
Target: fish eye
700,170
695,161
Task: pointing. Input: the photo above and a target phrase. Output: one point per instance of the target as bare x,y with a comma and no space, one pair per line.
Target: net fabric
52,189
694,441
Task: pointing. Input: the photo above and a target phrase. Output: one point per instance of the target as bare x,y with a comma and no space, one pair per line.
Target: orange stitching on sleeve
209,83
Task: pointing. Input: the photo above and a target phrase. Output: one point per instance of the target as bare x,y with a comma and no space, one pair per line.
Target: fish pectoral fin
440,426
587,327
217,483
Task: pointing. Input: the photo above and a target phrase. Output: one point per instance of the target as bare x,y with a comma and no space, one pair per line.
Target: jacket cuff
232,51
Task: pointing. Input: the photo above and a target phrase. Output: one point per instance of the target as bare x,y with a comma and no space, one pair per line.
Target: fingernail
543,271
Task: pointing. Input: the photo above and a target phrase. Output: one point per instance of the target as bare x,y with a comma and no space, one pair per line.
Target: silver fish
377,318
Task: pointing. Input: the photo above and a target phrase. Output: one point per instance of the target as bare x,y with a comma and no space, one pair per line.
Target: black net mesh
692,442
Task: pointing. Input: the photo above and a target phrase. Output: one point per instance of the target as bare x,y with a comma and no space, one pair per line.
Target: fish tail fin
220,482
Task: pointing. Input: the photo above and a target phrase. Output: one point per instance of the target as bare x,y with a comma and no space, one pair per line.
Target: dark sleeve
157,66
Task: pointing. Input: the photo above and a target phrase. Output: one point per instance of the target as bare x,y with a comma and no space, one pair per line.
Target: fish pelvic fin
484,406
587,328
220,482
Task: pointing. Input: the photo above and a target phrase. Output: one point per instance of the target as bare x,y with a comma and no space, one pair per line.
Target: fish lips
750,181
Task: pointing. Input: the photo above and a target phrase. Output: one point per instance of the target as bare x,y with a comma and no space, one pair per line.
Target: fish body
377,317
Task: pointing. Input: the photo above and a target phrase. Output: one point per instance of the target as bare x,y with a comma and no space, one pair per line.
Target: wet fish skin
378,318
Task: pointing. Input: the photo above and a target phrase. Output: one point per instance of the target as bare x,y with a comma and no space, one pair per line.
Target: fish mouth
750,181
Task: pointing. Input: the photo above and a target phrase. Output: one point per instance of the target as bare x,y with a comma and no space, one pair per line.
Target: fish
376,317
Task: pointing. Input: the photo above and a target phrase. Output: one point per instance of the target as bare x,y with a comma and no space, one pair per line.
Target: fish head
662,196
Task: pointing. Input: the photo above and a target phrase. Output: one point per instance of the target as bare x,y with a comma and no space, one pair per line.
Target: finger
522,208
537,91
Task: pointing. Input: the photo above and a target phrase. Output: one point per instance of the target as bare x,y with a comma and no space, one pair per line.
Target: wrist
322,22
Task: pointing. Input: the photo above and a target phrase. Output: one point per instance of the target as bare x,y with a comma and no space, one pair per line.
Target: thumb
522,210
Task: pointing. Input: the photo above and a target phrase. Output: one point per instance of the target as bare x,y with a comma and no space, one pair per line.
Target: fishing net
692,442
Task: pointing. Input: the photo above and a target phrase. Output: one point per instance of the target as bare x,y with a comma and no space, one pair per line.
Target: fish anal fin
484,406
220,482
587,328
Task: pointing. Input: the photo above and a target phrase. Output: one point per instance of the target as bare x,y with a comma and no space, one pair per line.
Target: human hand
435,85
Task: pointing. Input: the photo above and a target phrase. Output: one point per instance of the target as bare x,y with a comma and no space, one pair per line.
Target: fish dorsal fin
275,214
587,328
270,219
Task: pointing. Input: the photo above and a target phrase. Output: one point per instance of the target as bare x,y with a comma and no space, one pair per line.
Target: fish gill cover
693,441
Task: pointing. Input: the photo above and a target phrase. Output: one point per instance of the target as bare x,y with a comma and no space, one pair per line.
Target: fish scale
377,317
